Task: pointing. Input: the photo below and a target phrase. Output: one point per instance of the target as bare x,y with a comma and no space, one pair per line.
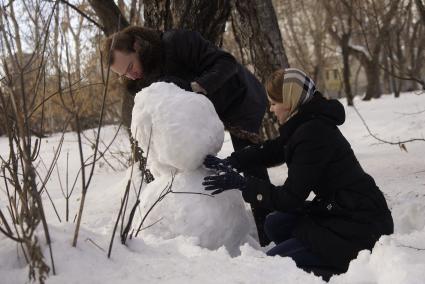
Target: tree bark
110,15
205,16
346,68
388,79
256,23
421,8
373,89
257,29
77,41
133,11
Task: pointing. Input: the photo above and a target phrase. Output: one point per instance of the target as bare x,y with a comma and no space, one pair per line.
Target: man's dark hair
146,42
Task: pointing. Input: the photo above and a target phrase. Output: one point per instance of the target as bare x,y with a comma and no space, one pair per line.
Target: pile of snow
183,128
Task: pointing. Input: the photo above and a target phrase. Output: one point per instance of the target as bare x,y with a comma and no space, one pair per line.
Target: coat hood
331,110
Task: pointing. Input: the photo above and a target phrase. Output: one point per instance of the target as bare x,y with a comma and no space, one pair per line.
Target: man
195,64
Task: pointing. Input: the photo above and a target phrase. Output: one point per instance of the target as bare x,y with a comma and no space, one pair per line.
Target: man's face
127,64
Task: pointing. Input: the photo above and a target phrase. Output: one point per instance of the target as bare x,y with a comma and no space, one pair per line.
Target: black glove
185,85
220,165
225,181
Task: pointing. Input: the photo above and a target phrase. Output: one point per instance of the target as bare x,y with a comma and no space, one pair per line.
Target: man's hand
197,88
225,181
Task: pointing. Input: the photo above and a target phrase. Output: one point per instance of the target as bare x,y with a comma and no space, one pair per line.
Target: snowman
180,128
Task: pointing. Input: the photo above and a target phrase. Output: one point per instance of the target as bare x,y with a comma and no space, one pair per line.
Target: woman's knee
278,226
289,247
299,252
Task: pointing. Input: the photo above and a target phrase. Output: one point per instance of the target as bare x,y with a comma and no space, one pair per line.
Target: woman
185,58
348,213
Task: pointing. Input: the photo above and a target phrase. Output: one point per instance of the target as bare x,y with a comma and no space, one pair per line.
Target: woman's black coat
238,97
349,213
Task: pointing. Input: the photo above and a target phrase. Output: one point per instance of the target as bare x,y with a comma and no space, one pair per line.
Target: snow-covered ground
399,258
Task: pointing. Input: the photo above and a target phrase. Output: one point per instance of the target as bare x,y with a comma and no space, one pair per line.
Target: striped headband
304,84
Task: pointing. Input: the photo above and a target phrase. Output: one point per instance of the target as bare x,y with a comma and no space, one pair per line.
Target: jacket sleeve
269,154
310,157
213,65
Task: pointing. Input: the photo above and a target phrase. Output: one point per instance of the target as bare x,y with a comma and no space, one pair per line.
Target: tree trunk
77,42
421,8
346,68
205,16
257,29
256,23
133,11
373,89
386,67
395,87
110,15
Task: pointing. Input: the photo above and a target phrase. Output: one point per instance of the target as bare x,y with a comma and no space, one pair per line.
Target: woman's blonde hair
274,85
290,86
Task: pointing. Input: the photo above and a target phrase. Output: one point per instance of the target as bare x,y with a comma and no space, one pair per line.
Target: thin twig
84,183
118,219
123,202
83,14
162,195
195,193
382,140
412,113
411,247
124,233
147,227
98,246
43,188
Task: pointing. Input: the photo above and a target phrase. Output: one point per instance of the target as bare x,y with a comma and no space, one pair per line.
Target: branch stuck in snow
400,143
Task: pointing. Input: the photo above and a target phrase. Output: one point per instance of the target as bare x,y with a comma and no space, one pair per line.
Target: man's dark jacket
238,97
349,212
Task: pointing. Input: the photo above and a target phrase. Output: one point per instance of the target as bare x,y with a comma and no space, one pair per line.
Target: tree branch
399,143
421,9
75,8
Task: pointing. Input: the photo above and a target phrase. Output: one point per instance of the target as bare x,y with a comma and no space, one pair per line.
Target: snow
361,49
149,258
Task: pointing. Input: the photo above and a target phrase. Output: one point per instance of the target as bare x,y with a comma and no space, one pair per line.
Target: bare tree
110,15
135,12
21,76
207,17
304,26
374,25
86,177
257,31
340,27
76,36
421,8
404,50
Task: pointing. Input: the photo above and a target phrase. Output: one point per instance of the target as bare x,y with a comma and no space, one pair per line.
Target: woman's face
280,110
127,64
